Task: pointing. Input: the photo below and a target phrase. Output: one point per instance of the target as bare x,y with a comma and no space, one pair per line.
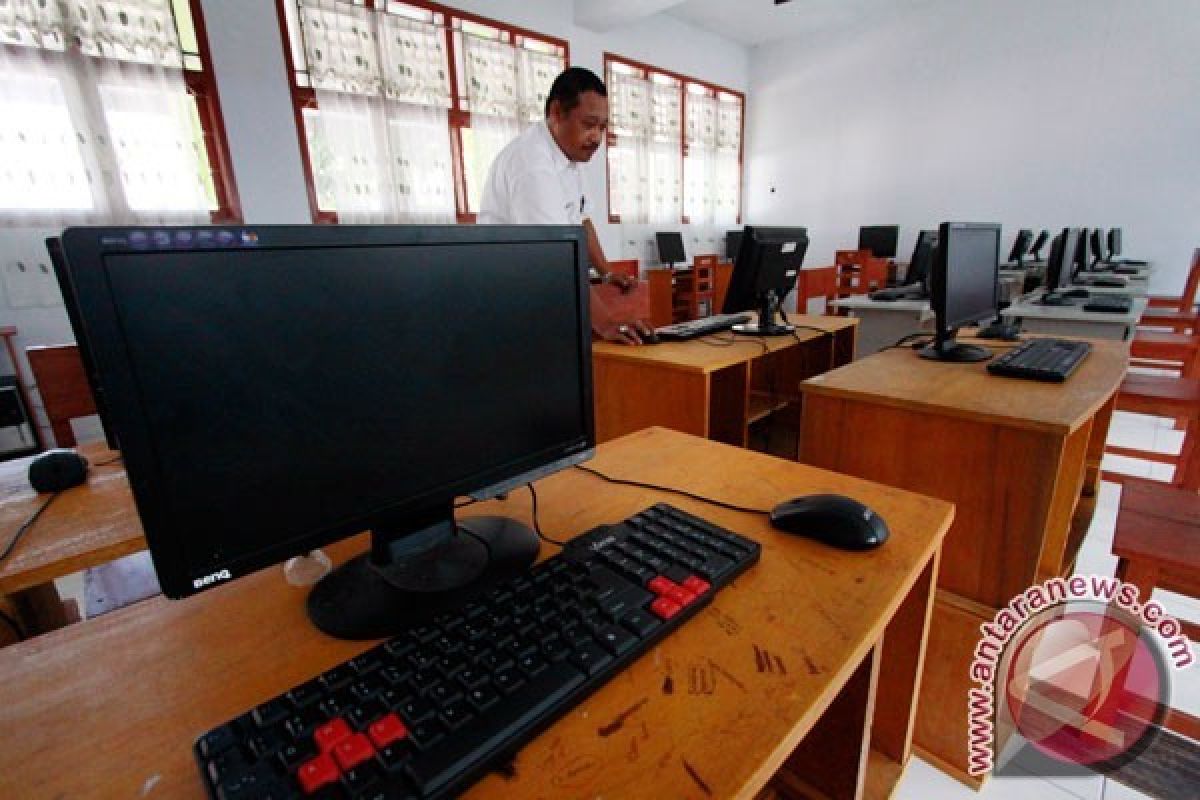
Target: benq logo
209,580
603,543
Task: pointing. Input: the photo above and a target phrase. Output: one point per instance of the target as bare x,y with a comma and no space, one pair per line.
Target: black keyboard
702,326
431,710
1109,303
1041,360
899,293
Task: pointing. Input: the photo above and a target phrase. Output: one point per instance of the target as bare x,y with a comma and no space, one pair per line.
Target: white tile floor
923,782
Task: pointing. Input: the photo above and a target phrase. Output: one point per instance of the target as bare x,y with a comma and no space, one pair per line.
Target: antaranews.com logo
1078,668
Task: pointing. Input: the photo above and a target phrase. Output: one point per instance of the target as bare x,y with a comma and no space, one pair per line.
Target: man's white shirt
532,182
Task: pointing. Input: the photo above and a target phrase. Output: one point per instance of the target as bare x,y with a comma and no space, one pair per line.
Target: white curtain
379,139
96,125
711,185
645,181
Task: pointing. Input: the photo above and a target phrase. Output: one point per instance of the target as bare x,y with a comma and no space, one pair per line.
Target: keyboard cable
26,526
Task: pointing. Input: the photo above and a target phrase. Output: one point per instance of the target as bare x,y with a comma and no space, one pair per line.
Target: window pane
186,27
324,168
203,167
486,137
41,167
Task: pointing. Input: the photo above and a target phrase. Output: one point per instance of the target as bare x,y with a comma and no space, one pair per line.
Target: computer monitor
1062,257
1020,247
765,270
1114,242
1035,252
1098,254
59,261
879,239
275,389
1080,262
670,248
922,260
963,286
733,241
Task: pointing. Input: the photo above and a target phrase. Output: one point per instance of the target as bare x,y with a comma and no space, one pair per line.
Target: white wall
1026,112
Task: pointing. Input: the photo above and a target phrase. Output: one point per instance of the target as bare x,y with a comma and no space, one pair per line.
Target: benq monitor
768,262
963,286
879,239
275,389
1114,242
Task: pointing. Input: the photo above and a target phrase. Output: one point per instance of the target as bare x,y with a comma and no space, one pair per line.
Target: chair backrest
859,272
702,289
627,266
1187,300
816,282
63,386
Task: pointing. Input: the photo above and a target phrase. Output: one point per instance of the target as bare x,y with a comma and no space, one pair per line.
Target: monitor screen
963,286
764,272
1080,262
1114,242
879,239
1062,256
1038,244
670,247
733,241
278,388
922,259
1098,253
1020,245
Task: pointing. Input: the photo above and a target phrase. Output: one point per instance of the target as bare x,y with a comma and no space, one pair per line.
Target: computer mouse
1053,300
833,519
649,337
56,470
1075,293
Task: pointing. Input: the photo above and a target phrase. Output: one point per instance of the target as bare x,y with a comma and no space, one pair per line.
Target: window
401,107
674,147
108,113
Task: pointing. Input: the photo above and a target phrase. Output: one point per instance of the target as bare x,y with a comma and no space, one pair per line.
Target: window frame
458,117
714,90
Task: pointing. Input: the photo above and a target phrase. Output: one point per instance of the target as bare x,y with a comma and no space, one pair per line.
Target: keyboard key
696,585
615,640
270,712
331,733
507,680
665,608
258,782
305,694
336,678
426,734
590,658
362,779
353,750
640,623
320,771
386,730
217,741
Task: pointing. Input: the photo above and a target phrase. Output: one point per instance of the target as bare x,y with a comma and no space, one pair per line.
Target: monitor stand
417,569
944,348
766,324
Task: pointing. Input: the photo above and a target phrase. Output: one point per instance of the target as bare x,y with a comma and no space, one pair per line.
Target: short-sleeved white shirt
532,182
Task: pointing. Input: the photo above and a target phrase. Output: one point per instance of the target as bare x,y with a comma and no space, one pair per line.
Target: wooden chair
627,266
721,280
1162,396
816,282
859,272
1176,313
63,386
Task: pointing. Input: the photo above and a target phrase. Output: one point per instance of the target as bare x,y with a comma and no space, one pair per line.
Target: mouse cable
537,527
673,490
787,321
26,526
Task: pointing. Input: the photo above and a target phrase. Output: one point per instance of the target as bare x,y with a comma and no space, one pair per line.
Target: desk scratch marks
619,721
813,667
729,676
701,679
768,662
696,777
668,686
725,622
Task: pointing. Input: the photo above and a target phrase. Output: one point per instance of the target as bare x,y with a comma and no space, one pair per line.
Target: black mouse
56,470
649,337
831,518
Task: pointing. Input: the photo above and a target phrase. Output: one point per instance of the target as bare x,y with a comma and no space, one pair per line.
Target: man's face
580,130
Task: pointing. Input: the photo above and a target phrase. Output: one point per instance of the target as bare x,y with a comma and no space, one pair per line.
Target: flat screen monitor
922,260
765,270
963,286
1062,256
275,389
733,241
1080,262
1020,246
54,249
1114,242
1098,254
670,248
1035,251
879,239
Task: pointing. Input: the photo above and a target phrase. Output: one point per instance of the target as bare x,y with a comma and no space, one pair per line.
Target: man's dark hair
573,82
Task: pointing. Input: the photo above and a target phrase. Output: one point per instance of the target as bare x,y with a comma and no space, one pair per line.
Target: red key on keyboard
317,772
696,585
664,608
328,735
386,730
353,751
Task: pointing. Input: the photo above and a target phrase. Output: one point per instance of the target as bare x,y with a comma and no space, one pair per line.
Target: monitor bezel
86,249
891,233
939,277
671,237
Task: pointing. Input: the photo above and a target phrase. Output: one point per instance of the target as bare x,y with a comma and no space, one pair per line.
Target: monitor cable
26,526
537,527
903,341
673,490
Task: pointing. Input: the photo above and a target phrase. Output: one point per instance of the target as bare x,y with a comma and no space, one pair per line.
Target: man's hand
633,332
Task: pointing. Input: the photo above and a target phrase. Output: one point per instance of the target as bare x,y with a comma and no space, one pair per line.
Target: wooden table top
86,526
111,706
902,379
696,355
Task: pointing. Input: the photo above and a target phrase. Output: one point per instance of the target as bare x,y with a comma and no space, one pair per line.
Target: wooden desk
87,526
710,389
885,322
113,706
1073,320
1021,462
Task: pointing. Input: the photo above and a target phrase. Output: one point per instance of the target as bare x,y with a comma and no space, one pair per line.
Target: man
536,179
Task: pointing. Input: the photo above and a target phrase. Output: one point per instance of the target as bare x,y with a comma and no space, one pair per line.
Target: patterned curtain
644,170
379,139
711,167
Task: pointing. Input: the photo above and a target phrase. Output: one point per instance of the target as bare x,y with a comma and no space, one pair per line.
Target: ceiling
749,22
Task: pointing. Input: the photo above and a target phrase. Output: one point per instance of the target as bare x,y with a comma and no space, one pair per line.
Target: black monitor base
953,351
758,329
364,600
